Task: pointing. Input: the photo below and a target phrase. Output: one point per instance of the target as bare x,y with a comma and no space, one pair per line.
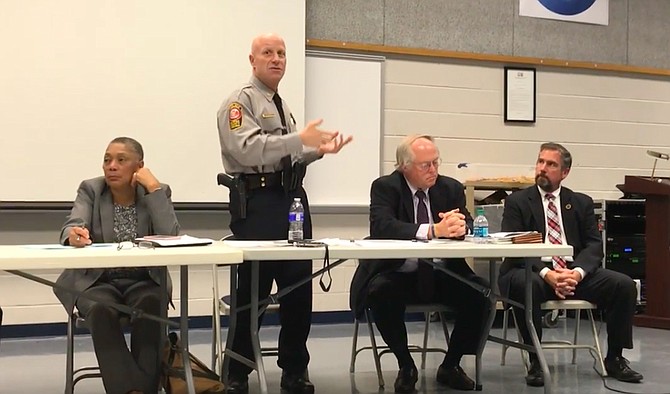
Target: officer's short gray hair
404,154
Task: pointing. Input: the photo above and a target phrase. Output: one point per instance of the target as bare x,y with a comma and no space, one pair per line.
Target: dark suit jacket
392,217
524,212
94,208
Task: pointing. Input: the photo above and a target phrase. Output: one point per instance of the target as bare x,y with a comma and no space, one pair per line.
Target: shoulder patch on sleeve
234,116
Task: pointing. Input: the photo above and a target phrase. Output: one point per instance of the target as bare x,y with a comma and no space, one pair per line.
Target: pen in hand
82,232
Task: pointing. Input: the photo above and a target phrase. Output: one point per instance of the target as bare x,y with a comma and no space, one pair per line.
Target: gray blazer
94,208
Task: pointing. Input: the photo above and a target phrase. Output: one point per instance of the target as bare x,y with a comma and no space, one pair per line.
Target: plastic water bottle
480,227
296,218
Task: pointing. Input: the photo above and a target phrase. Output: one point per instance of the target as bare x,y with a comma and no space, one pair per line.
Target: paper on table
385,243
255,244
509,234
47,246
59,246
175,240
336,241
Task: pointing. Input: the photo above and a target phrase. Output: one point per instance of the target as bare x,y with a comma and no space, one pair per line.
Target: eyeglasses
425,166
129,245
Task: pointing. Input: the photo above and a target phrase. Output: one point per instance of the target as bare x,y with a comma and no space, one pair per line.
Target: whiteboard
75,74
346,92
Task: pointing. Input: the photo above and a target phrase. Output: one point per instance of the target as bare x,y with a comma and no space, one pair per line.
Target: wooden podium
657,240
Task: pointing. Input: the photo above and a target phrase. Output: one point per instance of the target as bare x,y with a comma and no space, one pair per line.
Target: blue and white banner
583,11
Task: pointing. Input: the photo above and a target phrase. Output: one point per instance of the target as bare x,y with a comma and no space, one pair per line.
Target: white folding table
16,259
256,251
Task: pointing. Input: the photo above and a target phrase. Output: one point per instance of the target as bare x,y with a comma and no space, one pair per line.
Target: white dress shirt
412,265
545,205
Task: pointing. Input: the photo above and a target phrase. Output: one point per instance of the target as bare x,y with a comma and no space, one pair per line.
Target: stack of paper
518,237
174,240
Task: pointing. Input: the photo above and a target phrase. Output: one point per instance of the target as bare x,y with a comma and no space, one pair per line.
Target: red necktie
425,274
554,227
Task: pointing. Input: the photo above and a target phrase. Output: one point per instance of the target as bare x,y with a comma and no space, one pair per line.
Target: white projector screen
74,74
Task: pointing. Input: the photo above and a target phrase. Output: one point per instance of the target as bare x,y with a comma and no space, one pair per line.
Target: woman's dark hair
131,143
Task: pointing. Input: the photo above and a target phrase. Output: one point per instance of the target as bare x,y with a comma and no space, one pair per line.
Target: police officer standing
262,149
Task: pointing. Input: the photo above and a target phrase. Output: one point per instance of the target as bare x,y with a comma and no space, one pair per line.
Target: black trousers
124,369
390,292
267,219
612,291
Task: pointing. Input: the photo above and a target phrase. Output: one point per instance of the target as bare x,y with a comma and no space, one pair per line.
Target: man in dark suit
560,277
414,202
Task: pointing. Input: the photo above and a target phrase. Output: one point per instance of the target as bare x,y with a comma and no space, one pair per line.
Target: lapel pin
568,206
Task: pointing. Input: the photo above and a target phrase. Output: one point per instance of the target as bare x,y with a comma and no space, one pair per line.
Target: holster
236,185
298,175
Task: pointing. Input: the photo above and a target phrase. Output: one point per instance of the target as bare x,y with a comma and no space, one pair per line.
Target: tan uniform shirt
250,132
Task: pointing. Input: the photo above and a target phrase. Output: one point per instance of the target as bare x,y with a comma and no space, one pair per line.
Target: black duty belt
258,181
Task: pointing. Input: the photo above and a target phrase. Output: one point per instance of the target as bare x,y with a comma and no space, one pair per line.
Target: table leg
183,328
255,341
489,324
163,326
528,315
232,324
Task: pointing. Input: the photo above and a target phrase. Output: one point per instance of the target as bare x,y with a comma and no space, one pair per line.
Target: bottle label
480,231
296,217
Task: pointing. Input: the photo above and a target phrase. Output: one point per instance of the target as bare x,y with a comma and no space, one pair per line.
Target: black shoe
535,377
237,384
296,383
618,369
406,380
455,378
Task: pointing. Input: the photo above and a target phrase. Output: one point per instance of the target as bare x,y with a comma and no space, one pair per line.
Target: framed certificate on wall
520,103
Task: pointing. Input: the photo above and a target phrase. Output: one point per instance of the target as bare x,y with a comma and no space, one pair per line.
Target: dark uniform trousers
124,369
612,291
390,292
267,219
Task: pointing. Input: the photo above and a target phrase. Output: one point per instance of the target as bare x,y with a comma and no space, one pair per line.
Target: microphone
656,156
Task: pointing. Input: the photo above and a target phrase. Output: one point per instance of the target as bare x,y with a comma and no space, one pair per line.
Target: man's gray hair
404,154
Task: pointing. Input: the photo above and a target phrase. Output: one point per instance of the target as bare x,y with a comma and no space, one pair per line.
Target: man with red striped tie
567,217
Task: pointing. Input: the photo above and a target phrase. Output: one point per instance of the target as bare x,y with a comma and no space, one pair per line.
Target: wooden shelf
471,186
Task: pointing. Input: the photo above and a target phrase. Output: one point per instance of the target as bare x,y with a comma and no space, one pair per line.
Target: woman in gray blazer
126,203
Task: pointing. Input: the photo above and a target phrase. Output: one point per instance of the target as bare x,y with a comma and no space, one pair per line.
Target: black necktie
287,165
425,274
